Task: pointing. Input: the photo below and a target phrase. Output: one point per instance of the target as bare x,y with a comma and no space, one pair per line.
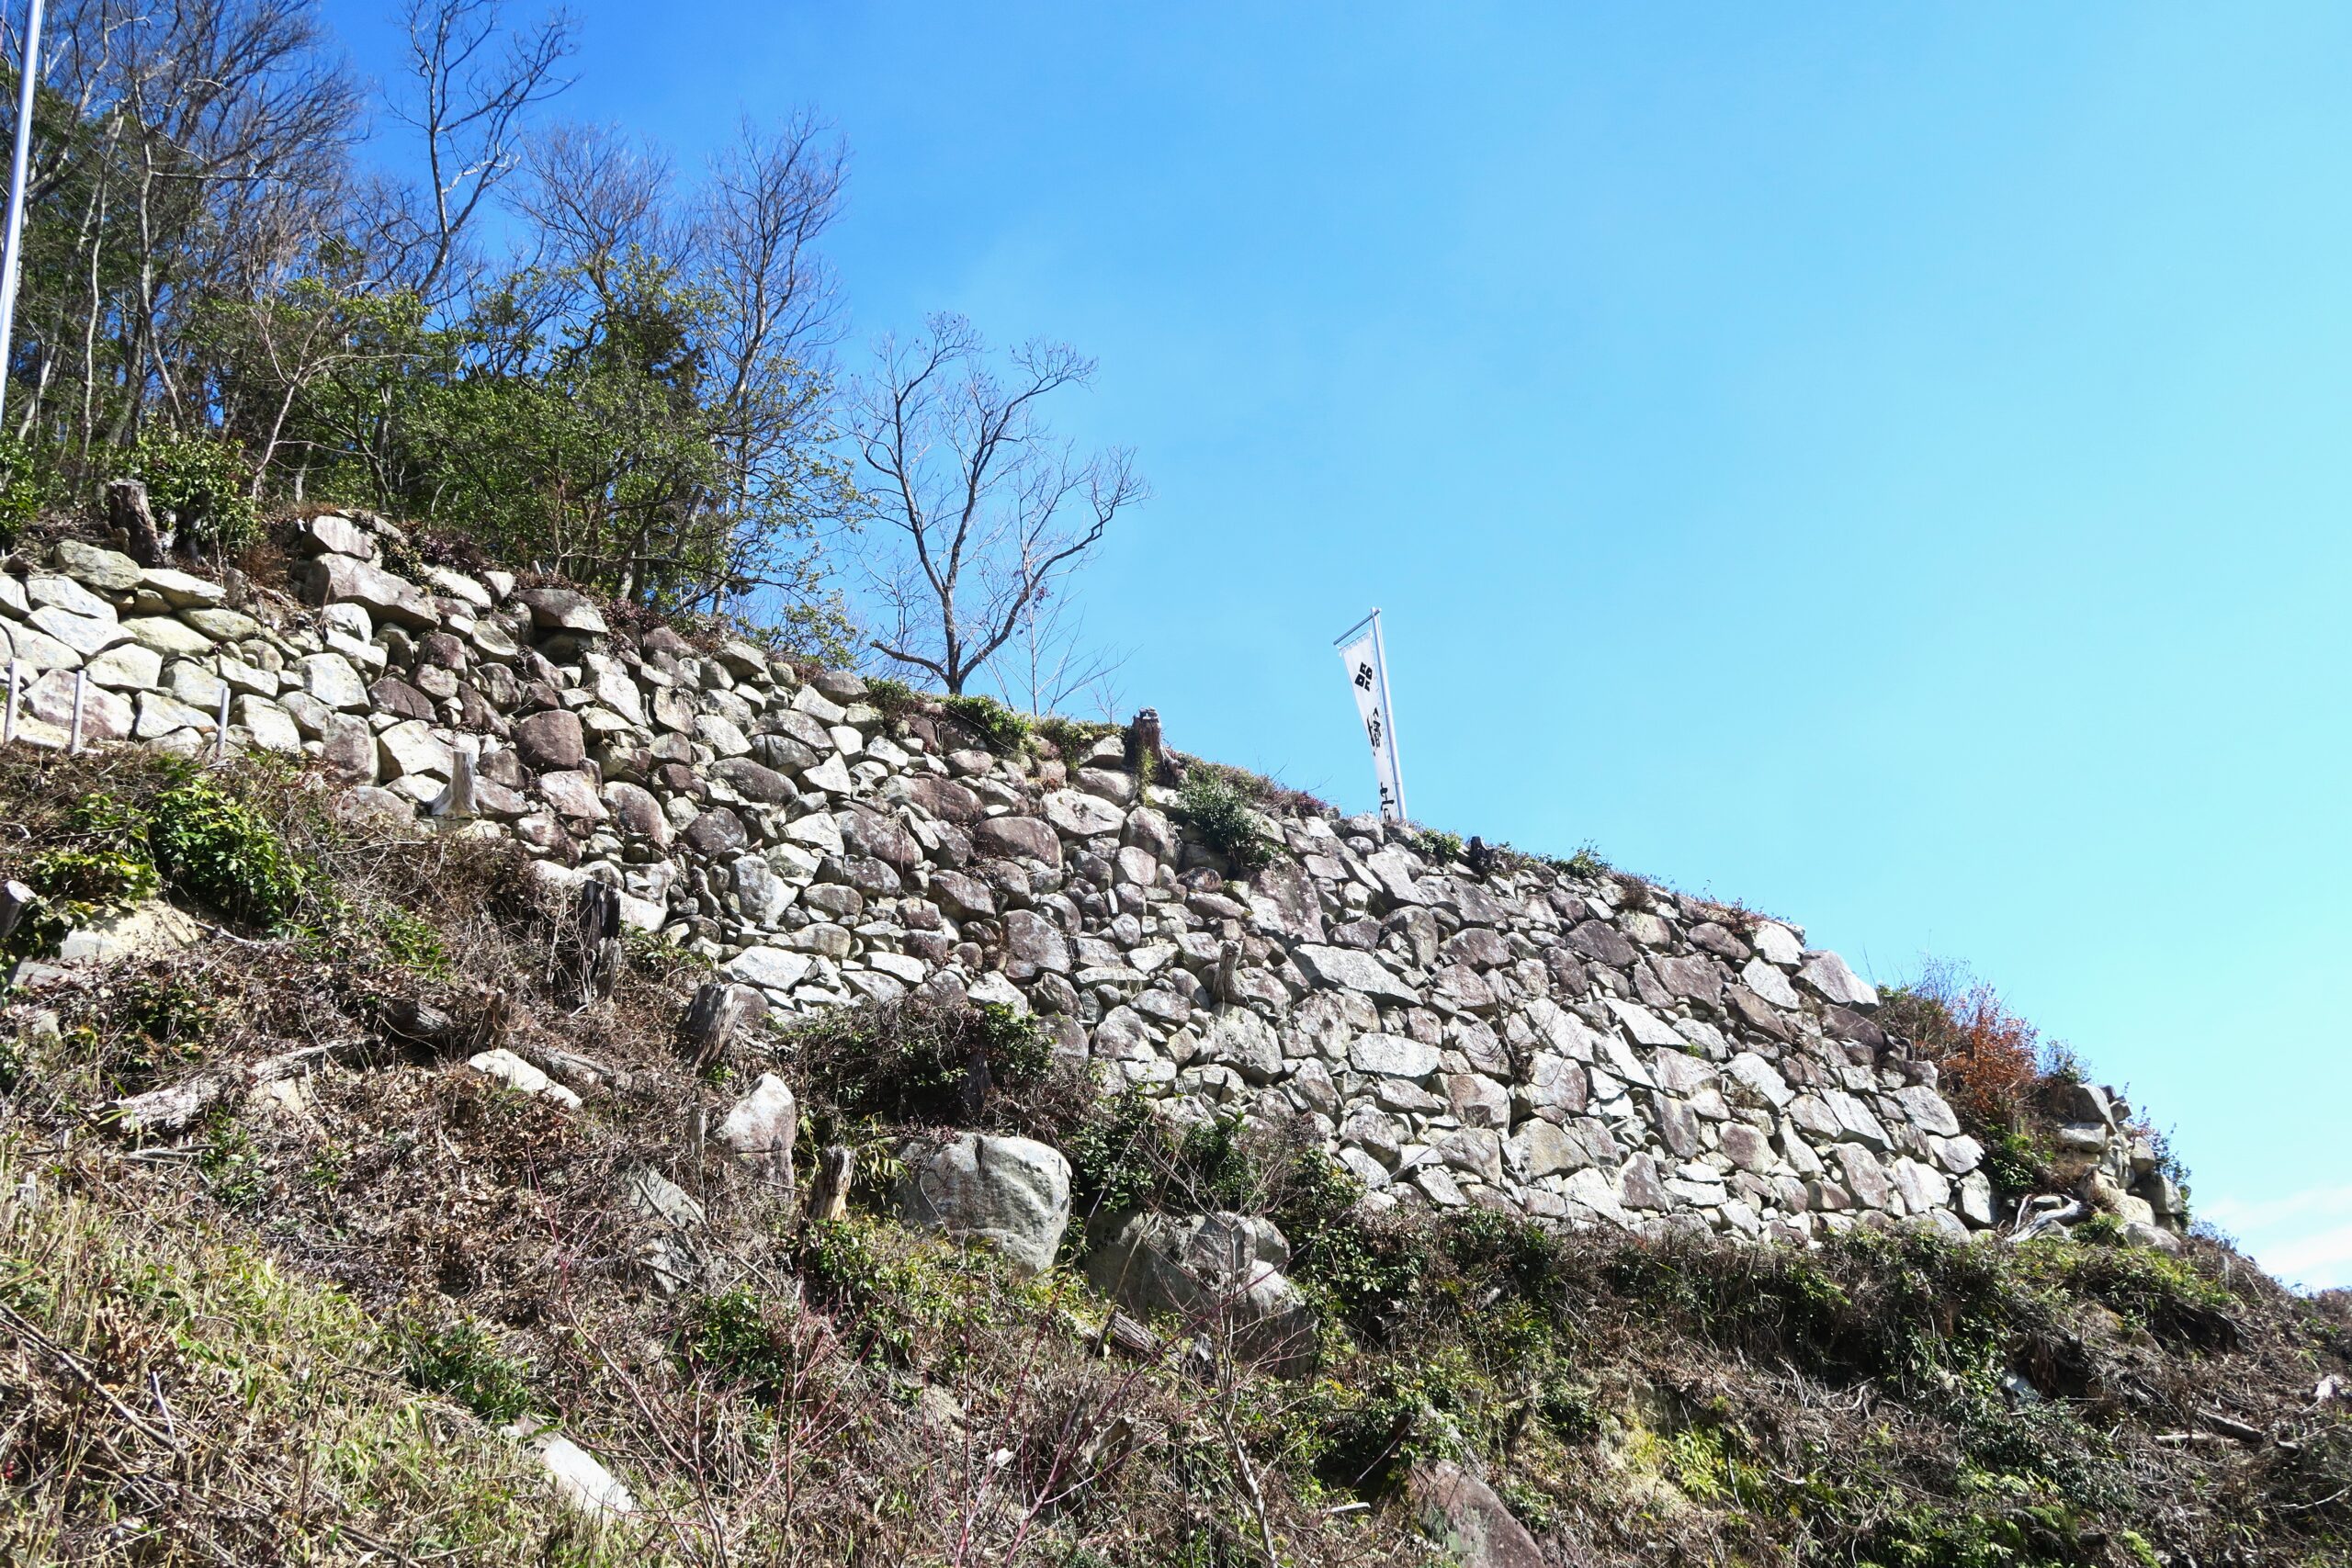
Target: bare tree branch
991,512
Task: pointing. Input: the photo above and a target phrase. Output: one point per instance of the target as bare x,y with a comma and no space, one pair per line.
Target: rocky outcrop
1522,1035
1220,1275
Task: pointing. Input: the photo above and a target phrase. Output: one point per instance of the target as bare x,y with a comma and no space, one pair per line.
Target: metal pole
30,72
8,733
80,686
220,727
1395,766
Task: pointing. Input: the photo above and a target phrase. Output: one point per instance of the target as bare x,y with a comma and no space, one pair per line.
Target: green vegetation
462,1360
1074,737
189,834
200,484
1225,818
215,848
915,1062
992,723
274,1422
891,699
1437,844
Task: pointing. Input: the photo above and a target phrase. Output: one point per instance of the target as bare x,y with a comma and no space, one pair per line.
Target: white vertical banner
1366,659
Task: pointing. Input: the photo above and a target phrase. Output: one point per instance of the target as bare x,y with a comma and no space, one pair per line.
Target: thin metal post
81,687
1395,766
220,727
8,730
30,72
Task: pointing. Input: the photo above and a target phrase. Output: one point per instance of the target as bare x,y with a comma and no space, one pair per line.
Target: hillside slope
948,1143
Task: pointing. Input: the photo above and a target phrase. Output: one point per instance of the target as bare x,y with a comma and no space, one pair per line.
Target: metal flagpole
8,266
1388,697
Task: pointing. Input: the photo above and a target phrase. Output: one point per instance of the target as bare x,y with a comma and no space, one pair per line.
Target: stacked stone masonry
1582,1049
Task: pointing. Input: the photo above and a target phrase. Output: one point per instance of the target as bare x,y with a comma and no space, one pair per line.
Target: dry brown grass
1989,1058
858,1393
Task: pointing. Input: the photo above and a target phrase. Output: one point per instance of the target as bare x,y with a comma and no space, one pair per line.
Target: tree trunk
589,953
127,510
719,1012
828,1194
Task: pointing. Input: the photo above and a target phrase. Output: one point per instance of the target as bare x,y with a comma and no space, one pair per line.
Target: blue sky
1885,464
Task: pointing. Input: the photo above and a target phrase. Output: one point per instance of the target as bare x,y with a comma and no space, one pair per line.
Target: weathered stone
1928,1110
223,626
397,697
770,968
110,571
1775,943
1826,977
329,534
961,896
128,667
1032,942
1769,983
1698,979
1393,1056
1354,971
942,798
1220,1273
717,834
1539,1149
271,726
1599,940
1021,838
348,749
753,782
1082,816
85,635
877,837
330,677
520,1075
1010,1193
391,601
760,1127
1239,1039
562,610
160,716
410,746
1468,1523
49,592
106,716
550,740
151,930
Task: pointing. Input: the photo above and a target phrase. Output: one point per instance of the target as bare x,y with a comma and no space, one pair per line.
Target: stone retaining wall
1573,1047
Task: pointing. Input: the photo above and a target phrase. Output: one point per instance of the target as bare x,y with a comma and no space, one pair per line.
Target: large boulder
761,1126
1220,1273
1468,1523
336,579
1012,1193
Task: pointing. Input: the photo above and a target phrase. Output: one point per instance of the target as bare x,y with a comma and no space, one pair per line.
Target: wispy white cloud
2303,1238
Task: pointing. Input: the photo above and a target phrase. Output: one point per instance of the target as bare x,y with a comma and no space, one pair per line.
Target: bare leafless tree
592,196
988,508
1050,665
767,198
476,78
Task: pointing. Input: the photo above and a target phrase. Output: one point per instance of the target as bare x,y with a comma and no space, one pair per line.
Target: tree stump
456,802
717,1014
588,953
1147,757
127,509
828,1194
